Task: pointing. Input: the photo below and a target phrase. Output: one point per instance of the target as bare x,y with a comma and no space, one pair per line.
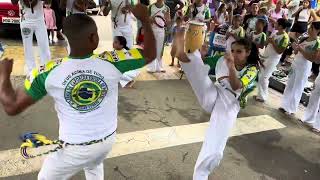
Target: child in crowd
50,19
178,28
221,15
263,14
235,32
259,37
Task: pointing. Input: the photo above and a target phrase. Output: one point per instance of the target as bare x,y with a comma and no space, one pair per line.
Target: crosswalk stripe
12,164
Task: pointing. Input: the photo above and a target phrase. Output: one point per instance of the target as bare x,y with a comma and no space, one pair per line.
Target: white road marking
13,164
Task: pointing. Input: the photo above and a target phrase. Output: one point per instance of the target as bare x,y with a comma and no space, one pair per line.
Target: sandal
285,112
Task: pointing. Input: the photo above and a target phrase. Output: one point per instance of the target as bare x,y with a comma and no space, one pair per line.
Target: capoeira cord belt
114,19
35,140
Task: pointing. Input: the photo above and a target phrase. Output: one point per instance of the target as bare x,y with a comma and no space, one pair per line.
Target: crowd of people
255,37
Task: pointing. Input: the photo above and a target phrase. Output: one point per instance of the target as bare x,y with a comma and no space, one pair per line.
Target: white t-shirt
281,40
222,70
85,92
122,20
304,15
155,11
311,46
26,14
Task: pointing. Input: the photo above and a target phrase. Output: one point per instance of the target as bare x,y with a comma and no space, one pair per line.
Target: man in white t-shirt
32,22
84,88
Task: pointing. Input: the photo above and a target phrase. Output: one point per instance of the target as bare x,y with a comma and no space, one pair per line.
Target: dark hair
220,9
238,16
316,25
145,2
72,24
284,23
123,42
179,18
261,20
253,58
195,10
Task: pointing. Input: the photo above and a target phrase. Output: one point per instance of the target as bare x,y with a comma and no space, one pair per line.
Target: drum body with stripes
194,36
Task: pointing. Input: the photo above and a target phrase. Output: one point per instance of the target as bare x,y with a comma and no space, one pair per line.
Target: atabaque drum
194,36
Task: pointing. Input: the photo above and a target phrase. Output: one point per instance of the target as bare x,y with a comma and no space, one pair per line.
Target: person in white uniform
312,114
160,15
305,51
84,87
198,11
235,72
32,22
277,44
121,21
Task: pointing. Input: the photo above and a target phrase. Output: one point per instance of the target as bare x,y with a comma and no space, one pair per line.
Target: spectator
275,14
198,11
303,16
60,16
250,19
240,8
293,7
174,6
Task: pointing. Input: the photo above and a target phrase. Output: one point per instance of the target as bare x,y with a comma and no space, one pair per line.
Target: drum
194,36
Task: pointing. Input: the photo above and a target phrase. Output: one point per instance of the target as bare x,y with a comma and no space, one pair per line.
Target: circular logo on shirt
85,92
26,31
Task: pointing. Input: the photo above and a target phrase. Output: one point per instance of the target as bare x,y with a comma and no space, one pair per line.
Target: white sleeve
221,68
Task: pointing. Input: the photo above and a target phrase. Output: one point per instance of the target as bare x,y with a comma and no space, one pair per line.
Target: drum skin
194,36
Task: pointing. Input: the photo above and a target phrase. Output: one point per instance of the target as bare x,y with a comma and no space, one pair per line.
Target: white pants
156,65
312,114
224,108
66,162
127,33
295,85
270,65
40,30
